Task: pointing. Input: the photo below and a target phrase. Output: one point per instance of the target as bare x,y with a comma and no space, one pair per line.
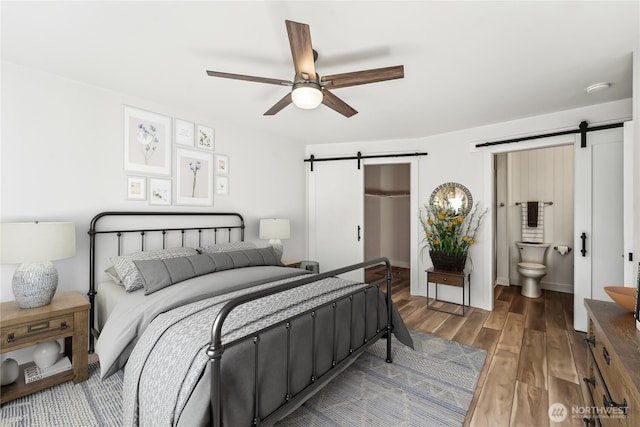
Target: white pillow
128,272
226,247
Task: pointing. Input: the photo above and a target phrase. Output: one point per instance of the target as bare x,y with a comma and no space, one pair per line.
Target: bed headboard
119,233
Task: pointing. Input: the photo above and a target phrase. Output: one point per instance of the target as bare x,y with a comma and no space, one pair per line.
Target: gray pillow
128,272
159,273
226,247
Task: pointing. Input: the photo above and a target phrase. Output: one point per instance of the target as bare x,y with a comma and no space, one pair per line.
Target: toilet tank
532,252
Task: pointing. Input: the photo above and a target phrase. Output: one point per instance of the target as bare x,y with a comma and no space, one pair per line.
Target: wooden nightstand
66,317
291,263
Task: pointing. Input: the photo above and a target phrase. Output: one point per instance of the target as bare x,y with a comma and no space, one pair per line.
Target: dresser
613,367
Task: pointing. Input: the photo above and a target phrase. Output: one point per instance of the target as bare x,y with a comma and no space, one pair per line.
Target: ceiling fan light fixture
306,95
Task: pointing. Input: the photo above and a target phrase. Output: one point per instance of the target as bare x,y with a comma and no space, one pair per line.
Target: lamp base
35,284
276,244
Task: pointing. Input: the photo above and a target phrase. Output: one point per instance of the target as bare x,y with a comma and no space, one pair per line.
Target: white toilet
531,267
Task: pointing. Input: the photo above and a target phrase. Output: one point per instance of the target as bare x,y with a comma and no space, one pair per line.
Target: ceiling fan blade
249,78
301,50
286,100
337,104
363,77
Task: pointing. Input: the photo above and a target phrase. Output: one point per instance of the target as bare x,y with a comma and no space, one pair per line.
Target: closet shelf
380,193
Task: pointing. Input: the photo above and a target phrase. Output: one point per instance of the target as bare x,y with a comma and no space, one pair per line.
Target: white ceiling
466,63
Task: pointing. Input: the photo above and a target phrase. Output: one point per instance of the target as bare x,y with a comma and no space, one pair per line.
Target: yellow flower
471,242
440,216
465,238
447,228
454,221
430,221
429,235
436,242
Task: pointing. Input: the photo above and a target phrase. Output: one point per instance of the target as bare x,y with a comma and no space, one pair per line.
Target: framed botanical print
194,177
147,142
204,138
160,191
184,132
222,164
136,188
222,185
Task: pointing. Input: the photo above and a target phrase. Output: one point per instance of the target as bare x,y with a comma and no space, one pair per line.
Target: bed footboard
339,356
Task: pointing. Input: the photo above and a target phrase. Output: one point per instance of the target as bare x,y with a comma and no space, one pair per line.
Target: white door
598,198
336,215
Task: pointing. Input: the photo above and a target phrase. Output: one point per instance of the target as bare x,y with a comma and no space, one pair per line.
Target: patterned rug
431,386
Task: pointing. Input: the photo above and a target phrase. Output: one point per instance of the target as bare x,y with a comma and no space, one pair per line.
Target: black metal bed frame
94,231
217,348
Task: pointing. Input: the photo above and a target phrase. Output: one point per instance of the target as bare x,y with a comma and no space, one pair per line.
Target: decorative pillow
113,275
129,274
226,247
160,273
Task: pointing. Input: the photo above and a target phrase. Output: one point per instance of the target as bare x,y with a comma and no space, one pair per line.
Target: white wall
544,175
62,159
453,157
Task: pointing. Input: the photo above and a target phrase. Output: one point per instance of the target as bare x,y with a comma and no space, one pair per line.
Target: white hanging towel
532,234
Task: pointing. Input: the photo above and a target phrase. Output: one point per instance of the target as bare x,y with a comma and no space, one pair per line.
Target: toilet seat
532,265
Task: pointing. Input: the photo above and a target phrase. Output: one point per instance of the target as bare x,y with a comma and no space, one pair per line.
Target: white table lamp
275,230
34,245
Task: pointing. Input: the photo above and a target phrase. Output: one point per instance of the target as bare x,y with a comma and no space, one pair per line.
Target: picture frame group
171,161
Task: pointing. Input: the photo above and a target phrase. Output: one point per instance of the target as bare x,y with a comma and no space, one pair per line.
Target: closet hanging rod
312,159
582,129
521,203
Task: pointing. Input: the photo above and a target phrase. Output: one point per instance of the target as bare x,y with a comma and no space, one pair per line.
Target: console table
449,278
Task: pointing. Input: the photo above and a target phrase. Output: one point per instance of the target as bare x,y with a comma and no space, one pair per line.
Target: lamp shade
34,242
274,228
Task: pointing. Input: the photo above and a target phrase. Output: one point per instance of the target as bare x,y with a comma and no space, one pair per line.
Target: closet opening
387,215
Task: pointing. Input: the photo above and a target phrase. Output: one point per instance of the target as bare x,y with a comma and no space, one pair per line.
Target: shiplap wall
543,175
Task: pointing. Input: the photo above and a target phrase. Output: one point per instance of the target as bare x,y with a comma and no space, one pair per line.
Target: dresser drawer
598,411
40,330
446,279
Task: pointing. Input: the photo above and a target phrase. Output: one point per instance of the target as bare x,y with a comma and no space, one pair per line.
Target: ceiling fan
309,89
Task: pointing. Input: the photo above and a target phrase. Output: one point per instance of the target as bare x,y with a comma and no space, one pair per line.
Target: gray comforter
167,380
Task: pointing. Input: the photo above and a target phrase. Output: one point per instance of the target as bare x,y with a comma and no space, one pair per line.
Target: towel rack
546,203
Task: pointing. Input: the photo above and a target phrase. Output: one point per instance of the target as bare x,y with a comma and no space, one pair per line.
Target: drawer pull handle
608,403
606,356
590,381
588,422
38,327
591,340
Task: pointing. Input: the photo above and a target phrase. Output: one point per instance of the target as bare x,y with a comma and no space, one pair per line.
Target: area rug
432,385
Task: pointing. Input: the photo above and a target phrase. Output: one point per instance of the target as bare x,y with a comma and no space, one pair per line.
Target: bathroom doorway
544,175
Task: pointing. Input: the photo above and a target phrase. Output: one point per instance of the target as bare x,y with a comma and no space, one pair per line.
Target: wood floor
534,356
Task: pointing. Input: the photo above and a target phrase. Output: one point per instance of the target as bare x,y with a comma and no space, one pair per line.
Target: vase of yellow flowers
449,234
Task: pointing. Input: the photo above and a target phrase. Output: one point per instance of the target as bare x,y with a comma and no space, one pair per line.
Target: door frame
413,207
488,245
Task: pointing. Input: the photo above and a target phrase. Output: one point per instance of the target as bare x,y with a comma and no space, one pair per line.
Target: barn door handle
359,228
583,251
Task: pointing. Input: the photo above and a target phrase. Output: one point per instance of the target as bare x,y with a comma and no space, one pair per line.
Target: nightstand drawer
446,279
14,336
